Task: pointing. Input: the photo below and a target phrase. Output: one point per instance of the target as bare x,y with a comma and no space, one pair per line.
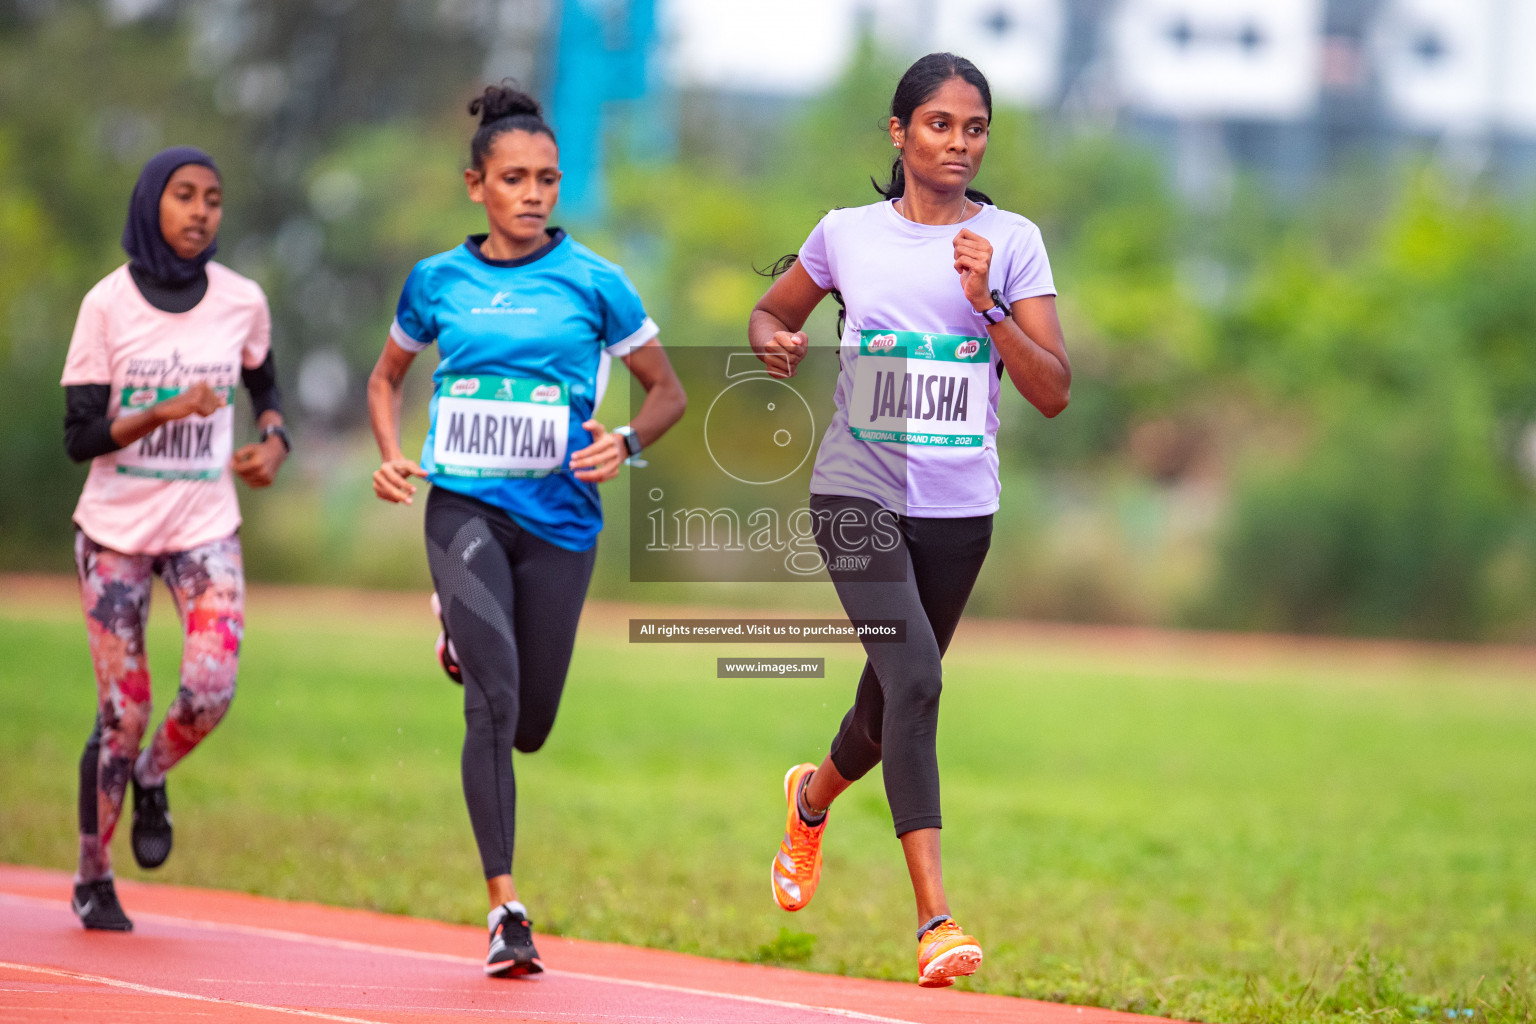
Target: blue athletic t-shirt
554,317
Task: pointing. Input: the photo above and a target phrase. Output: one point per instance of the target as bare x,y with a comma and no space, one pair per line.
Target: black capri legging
895,715
511,602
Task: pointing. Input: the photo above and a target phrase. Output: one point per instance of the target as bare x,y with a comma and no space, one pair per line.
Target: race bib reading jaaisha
194,448
910,387
500,427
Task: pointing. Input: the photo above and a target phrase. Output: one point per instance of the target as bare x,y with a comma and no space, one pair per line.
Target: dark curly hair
504,108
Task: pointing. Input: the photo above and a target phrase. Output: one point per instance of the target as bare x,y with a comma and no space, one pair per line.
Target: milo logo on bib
500,427
193,448
914,387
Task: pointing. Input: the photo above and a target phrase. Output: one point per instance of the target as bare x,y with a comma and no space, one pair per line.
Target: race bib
500,427
915,388
194,448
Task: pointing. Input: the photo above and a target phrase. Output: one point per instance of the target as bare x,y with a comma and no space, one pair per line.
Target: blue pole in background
603,53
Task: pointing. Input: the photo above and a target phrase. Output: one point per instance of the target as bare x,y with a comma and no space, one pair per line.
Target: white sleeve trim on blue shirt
405,341
644,333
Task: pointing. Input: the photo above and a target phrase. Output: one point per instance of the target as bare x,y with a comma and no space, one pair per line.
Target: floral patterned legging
208,586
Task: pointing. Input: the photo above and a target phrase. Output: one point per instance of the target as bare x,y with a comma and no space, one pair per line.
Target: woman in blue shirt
526,320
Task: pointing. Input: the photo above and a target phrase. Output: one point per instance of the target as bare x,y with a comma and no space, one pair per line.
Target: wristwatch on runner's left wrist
632,444
277,431
997,305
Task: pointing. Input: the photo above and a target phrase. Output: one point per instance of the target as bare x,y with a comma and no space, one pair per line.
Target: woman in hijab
158,348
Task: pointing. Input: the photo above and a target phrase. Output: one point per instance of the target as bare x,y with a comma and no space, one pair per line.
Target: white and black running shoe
447,657
151,825
512,952
96,905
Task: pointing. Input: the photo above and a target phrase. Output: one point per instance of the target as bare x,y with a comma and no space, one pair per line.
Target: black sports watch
997,303
632,444
278,432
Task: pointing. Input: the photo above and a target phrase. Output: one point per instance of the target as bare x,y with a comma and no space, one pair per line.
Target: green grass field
1202,830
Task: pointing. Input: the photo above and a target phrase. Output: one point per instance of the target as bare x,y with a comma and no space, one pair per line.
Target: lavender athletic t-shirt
899,276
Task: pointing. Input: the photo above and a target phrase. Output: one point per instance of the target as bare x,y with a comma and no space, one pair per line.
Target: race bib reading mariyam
910,387
193,448
500,427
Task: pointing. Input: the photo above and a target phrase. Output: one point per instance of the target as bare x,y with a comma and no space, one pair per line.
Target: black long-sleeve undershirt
87,428
261,382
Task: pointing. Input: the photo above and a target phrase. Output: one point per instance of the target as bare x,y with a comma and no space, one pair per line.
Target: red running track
199,956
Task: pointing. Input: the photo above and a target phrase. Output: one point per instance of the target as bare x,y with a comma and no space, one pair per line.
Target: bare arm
1035,353
774,327
663,406
391,481
664,398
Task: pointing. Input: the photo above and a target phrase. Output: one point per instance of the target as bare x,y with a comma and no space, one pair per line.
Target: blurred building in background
1288,86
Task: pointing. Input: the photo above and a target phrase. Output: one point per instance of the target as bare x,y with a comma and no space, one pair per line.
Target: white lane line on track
150,990
324,984
836,1011
782,1004
367,947
520,1013
116,1012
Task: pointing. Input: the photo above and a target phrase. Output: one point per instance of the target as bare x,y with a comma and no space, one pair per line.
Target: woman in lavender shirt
945,295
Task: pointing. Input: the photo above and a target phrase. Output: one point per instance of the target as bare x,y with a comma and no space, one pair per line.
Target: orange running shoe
797,866
945,953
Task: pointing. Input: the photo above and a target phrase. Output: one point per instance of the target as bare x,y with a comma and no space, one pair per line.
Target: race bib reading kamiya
500,427
193,448
915,388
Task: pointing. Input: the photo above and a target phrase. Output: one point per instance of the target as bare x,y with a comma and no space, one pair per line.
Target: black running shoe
446,655
96,905
512,951
151,825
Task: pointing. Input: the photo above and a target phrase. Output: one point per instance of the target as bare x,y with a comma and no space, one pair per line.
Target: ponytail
897,186
788,260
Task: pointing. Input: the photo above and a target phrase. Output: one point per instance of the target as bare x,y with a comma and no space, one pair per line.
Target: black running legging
510,603
895,715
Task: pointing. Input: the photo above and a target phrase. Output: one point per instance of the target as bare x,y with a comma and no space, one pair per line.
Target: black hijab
147,249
